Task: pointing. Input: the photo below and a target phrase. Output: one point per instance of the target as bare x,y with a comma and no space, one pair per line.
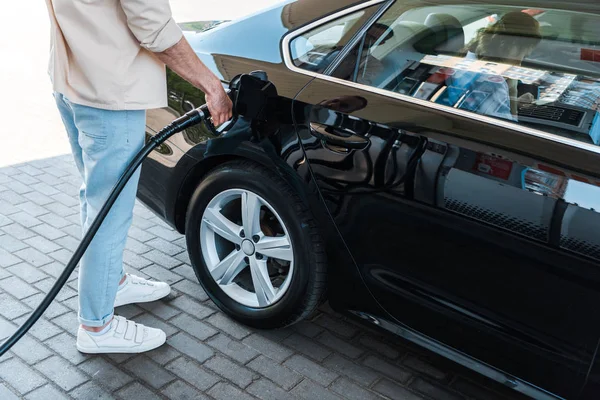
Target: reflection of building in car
368,69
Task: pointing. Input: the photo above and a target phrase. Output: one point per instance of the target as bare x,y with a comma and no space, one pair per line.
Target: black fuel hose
187,120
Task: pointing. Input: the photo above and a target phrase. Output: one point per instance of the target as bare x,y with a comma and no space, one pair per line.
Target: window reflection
495,61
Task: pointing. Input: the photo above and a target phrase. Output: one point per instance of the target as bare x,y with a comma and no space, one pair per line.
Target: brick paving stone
194,327
148,371
4,220
182,391
339,327
184,257
62,256
12,197
64,344
386,368
65,199
20,376
17,287
351,391
47,392
187,272
364,376
42,244
191,289
191,347
141,222
340,346
19,187
137,391
235,373
18,230
379,346
307,347
266,390
10,243
30,350
433,391
67,322
54,269
150,320
225,391
160,309
6,394
30,170
7,259
394,391
44,188
61,209
49,232
310,390
135,260
55,220
165,233
33,209
164,354
26,272
7,208
38,198
160,258
139,234
268,347
307,328
162,274
194,374
25,219
26,179
232,348
136,246
190,306
72,230
164,247
42,330
424,367
283,376
311,370
229,326
12,308
68,242
91,390
65,293
105,374
33,257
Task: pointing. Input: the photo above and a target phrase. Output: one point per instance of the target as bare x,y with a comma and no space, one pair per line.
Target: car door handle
338,136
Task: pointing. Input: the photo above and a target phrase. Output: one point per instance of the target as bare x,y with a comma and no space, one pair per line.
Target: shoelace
136,280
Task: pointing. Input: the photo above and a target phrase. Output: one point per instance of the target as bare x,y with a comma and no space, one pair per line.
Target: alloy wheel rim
246,248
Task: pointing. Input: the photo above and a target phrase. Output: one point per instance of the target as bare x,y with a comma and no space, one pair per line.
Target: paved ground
207,355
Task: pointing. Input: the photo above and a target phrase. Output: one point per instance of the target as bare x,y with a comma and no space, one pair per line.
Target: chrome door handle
341,137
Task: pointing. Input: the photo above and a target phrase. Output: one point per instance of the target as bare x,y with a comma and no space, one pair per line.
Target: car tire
278,202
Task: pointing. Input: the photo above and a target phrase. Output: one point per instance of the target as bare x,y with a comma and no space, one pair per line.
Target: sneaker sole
148,299
120,350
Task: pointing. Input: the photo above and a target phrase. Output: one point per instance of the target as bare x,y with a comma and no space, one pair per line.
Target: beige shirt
101,51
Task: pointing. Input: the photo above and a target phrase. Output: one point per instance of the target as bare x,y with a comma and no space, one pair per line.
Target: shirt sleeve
151,22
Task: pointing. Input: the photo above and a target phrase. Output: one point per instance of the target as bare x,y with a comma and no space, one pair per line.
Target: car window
533,67
315,49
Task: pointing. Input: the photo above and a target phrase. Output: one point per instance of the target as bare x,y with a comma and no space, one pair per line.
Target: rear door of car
477,231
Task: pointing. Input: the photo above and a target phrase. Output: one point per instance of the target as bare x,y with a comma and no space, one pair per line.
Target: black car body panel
480,269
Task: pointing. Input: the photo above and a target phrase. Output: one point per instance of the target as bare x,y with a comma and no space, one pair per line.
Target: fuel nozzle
252,95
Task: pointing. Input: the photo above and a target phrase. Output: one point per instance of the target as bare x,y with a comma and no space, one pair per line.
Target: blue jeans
103,142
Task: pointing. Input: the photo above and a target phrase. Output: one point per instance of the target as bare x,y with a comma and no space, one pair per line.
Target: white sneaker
140,290
124,336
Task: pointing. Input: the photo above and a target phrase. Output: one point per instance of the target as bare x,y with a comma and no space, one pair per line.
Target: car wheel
255,247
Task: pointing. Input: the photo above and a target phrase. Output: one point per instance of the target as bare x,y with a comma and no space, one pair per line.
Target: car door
471,225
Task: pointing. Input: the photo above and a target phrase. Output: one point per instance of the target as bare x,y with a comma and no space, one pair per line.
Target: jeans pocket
92,143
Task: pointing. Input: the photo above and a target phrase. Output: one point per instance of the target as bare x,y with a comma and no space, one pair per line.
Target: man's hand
182,59
220,106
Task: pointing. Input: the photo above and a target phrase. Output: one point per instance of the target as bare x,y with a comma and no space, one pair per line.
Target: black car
430,167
